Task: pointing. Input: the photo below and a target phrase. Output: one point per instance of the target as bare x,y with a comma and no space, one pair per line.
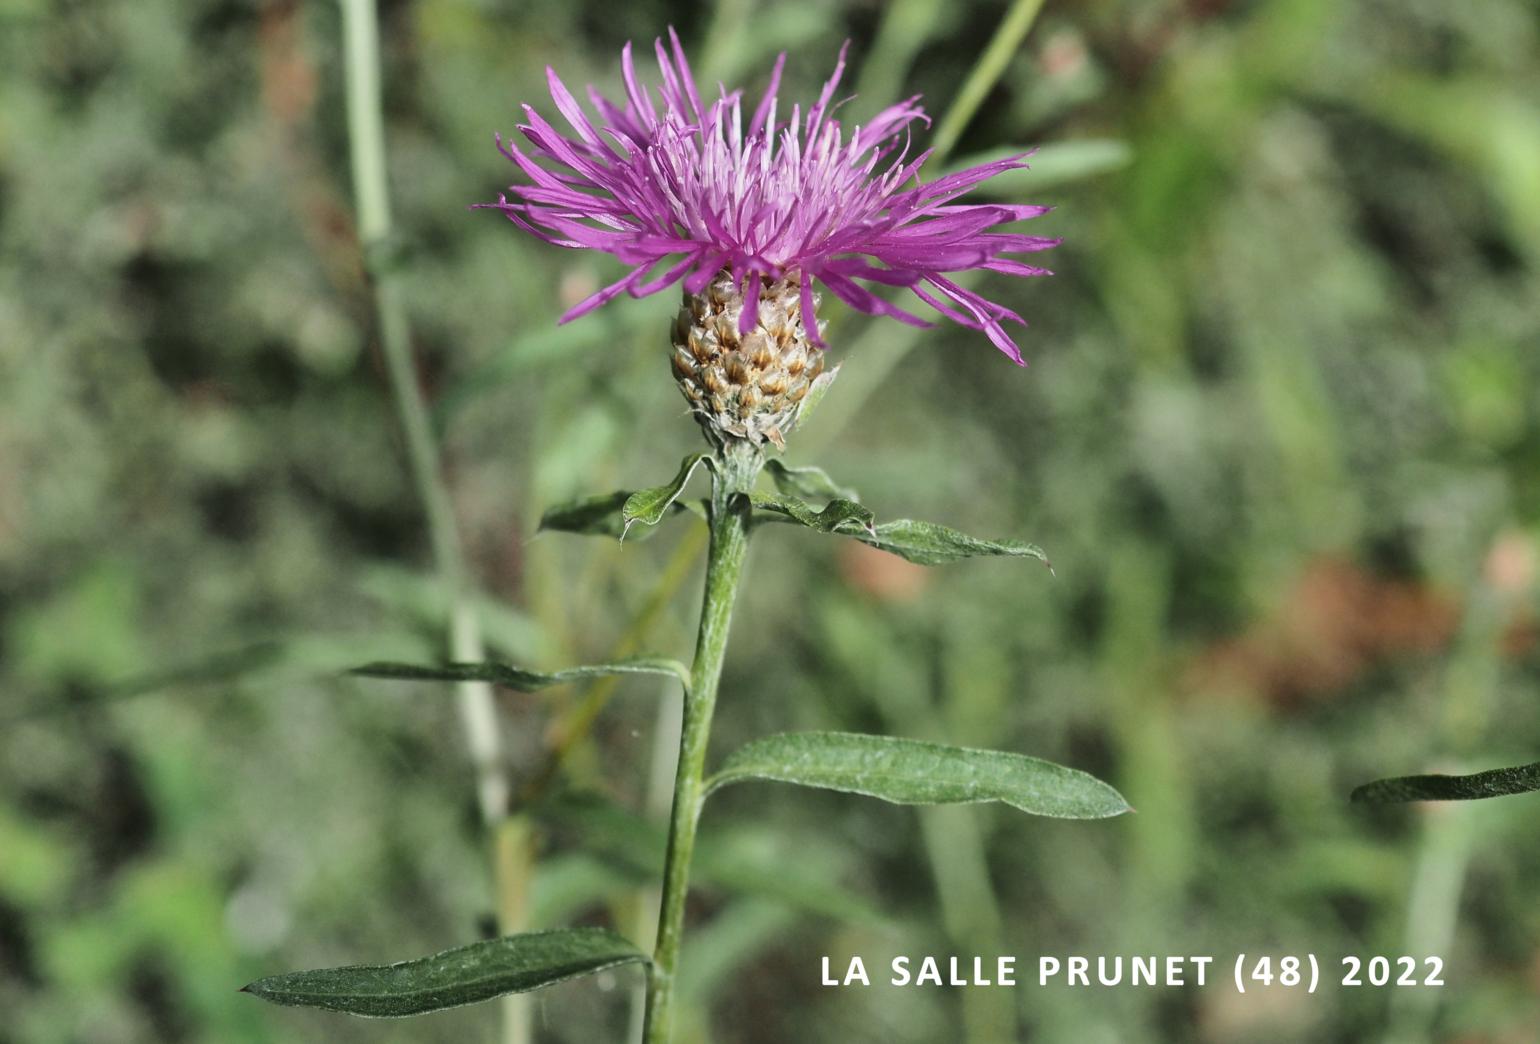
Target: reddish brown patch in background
1336,622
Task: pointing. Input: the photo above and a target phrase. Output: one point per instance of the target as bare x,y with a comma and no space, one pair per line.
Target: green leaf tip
520,679
1503,782
597,515
647,506
605,515
916,772
463,975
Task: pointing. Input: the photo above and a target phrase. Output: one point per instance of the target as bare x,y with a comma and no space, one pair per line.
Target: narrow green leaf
844,517
598,515
927,543
806,482
913,772
648,505
603,515
924,543
1521,779
464,975
520,679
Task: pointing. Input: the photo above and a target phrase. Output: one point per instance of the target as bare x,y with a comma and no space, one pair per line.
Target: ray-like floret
677,189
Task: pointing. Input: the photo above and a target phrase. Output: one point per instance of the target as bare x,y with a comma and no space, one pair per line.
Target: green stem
478,712
737,466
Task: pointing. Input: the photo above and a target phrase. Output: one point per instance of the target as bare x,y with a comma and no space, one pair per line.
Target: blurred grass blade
648,505
213,669
992,62
420,597
510,677
914,772
1058,164
926,543
464,975
602,515
806,482
844,517
1521,779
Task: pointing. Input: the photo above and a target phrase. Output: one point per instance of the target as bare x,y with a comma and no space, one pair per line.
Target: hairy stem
478,713
736,468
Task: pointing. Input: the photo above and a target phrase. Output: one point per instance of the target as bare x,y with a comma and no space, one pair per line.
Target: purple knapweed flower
765,206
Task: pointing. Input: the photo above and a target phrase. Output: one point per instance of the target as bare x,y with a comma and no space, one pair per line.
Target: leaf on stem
464,975
603,515
598,515
843,517
520,679
807,482
648,505
914,772
1521,779
924,543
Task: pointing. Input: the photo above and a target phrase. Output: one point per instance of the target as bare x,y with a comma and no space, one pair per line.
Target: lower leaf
913,772
1501,782
464,975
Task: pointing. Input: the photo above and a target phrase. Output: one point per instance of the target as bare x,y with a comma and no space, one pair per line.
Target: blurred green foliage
1279,435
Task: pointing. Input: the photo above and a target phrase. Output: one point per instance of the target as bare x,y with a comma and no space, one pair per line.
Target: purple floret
680,190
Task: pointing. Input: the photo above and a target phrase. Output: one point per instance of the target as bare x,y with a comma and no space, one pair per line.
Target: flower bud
745,385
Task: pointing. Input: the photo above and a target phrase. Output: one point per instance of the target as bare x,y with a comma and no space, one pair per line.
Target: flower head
681,190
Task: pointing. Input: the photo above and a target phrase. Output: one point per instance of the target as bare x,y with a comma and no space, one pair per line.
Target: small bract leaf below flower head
681,190
745,383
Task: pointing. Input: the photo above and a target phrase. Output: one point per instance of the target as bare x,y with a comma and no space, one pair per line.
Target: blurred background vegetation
1279,436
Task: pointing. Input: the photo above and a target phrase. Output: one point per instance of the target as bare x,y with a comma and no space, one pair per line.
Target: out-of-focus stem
478,712
1449,830
985,73
904,29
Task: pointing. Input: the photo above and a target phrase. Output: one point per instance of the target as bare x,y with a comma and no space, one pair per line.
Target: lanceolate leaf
913,772
510,677
597,515
806,482
648,505
838,516
465,975
1521,779
602,515
926,543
